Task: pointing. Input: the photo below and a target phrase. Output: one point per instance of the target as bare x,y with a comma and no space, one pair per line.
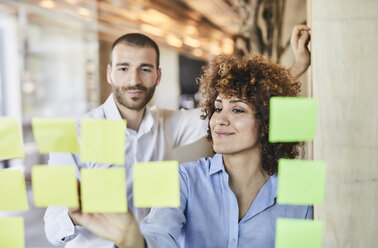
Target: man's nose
134,78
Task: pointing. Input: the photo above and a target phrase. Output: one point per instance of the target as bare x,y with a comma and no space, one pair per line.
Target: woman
228,200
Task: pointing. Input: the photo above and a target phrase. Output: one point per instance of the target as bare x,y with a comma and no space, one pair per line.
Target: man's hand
300,38
120,228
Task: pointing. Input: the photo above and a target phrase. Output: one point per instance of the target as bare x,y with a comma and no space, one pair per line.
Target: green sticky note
297,233
12,232
292,119
54,186
12,190
55,135
11,144
301,182
103,141
103,190
156,184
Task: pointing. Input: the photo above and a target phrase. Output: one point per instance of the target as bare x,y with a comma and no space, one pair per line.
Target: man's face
133,75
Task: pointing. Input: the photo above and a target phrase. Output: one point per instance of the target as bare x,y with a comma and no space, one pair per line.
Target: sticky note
55,135
156,184
11,143
103,190
103,141
54,186
292,119
12,232
297,233
12,190
301,182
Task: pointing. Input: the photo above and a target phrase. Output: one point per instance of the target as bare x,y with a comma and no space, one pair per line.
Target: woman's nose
222,118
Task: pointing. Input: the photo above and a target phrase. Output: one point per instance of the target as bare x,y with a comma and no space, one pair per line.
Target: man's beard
133,103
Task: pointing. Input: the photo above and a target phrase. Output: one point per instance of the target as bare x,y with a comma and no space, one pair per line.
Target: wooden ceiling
201,28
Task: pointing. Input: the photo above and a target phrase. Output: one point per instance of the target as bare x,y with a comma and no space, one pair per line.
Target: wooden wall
345,80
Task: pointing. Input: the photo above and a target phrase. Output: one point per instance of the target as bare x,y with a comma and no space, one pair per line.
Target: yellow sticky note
12,190
54,186
292,119
156,184
103,190
103,141
12,232
297,233
55,135
11,144
301,182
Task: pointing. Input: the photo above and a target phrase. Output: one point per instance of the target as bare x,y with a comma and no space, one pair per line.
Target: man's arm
161,228
184,127
120,228
59,227
300,38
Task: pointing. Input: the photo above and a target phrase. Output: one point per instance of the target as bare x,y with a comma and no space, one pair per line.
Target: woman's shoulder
198,168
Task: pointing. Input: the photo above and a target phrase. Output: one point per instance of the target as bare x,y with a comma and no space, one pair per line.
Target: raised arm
300,38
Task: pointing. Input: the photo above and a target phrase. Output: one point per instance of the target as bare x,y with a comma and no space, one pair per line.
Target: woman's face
233,126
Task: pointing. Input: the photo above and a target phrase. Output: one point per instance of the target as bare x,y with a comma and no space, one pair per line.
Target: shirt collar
265,198
110,109
147,122
112,113
269,188
216,164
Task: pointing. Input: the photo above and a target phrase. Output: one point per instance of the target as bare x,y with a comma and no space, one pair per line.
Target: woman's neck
244,168
246,177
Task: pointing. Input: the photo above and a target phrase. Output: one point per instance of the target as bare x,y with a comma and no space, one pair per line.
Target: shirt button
233,240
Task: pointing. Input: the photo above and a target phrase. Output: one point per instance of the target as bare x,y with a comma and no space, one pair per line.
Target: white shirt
159,133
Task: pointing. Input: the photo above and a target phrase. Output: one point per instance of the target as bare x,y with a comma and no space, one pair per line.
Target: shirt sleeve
310,213
162,226
59,228
185,126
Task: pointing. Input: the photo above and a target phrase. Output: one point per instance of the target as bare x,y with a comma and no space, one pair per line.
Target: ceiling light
192,42
84,12
191,30
227,46
47,4
197,52
173,40
151,30
154,17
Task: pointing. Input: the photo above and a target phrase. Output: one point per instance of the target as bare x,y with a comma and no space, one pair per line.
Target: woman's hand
300,38
120,228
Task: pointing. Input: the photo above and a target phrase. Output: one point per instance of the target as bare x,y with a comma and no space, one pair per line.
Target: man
151,135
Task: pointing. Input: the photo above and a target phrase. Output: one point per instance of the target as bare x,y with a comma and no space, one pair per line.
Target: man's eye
145,69
217,109
237,111
123,69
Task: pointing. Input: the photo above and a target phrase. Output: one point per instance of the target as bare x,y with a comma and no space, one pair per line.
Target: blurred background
54,53
53,57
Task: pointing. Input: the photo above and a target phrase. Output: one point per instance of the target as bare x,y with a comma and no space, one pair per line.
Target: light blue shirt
208,215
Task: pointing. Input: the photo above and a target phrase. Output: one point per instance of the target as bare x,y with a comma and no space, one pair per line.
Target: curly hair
254,80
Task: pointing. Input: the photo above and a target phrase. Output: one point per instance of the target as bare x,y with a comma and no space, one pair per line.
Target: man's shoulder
98,112
175,113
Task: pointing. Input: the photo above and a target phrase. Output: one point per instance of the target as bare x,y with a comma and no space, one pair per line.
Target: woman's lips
222,133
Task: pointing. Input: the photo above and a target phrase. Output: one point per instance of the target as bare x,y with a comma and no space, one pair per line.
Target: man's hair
255,80
138,40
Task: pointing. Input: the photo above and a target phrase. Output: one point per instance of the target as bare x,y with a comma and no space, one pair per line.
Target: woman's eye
217,110
237,111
